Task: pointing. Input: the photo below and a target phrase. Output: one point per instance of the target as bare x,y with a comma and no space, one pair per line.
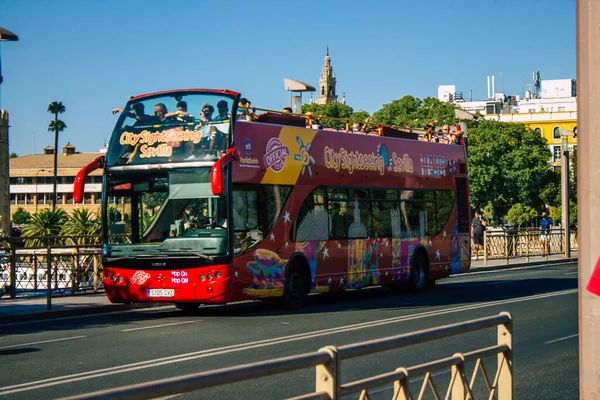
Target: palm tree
56,125
83,226
44,228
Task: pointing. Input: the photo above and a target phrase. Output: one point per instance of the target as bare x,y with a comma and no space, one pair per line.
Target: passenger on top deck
181,114
457,136
244,112
138,113
222,110
287,110
160,111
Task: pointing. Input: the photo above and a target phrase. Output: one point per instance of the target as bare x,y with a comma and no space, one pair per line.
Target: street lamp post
6,36
37,199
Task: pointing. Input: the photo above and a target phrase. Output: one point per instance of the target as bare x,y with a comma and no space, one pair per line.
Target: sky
92,55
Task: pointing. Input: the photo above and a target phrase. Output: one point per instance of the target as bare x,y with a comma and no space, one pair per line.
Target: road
57,358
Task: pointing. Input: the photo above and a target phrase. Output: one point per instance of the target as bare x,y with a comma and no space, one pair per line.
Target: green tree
82,227
13,155
56,126
44,228
410,110
508,164
331,114
488,213
520,214
21,217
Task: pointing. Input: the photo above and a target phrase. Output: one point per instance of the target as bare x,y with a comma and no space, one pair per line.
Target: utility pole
564,194
588,186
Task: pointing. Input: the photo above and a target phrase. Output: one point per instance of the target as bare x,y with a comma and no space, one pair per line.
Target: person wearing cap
181,114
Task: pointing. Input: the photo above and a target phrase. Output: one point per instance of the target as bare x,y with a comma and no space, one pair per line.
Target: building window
87,198
13,199
21,198
70,198
556,153
562,108
556,132
538,131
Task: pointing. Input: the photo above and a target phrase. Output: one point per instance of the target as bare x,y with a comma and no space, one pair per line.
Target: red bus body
305,160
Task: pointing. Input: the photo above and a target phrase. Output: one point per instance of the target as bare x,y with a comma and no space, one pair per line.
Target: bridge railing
75,265
328,369
506,244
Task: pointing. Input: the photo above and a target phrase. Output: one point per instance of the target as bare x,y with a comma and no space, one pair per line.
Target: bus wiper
189,251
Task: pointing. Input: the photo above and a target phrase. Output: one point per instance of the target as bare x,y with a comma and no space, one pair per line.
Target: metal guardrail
524,243
328,362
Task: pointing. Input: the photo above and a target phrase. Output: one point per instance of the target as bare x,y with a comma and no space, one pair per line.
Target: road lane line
562,338
66,379
40,342
571,273
160,326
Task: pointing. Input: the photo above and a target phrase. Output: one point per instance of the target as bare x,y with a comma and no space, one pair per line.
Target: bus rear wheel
187,306
419,273
297,287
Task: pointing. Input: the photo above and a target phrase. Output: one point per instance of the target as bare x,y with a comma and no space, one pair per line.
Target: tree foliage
13,155
20,217
508,164
44,228
410,110
330,114
520,214
82,227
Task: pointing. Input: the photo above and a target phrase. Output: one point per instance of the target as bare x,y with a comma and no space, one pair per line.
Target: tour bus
212,206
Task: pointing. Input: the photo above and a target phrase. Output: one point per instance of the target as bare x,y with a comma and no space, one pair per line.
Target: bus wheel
187,306
297,286
420,271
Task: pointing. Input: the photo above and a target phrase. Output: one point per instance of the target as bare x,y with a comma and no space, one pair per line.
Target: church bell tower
327,83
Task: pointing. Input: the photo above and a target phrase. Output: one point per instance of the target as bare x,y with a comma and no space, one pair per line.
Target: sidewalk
34,308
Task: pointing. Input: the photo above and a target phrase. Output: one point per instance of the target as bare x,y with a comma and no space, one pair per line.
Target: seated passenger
138,113
160,111
222,110
287,110
181,114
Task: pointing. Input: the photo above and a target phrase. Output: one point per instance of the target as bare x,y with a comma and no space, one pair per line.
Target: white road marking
562,338
571,273
40,342
67,379
159,326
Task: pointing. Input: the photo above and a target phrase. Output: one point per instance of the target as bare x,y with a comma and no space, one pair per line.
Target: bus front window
166,213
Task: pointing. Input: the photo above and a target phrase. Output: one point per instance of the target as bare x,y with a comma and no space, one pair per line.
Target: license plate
161,292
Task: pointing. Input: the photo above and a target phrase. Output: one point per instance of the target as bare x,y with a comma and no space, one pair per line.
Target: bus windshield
173,127
165,213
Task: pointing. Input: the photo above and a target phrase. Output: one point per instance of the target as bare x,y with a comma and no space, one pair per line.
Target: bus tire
419,273
187,306
297,284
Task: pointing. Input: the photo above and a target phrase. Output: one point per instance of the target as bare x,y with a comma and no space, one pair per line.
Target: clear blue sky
93,55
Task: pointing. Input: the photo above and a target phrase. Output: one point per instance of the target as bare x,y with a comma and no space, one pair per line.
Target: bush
520,214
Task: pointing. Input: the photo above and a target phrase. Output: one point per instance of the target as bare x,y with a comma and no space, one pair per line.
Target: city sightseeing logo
275,155
140,277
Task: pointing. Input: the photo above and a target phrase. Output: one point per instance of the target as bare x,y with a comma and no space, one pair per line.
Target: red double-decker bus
202,207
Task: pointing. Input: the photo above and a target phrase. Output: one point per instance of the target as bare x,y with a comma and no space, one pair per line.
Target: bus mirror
216,172
79,185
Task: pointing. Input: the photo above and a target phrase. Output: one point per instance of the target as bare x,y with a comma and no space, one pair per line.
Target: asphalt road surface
69,356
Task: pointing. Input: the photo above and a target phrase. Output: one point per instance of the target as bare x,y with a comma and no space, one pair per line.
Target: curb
522,264
88,310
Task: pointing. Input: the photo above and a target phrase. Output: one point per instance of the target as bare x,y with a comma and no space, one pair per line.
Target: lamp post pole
564,183
37,199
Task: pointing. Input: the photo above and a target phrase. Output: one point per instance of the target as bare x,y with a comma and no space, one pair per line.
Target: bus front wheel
297,287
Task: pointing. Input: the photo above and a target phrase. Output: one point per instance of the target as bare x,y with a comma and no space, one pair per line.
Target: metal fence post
506,246
505,369
327,375
527,243
401,387
457,380
485,240
13,270
49,278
